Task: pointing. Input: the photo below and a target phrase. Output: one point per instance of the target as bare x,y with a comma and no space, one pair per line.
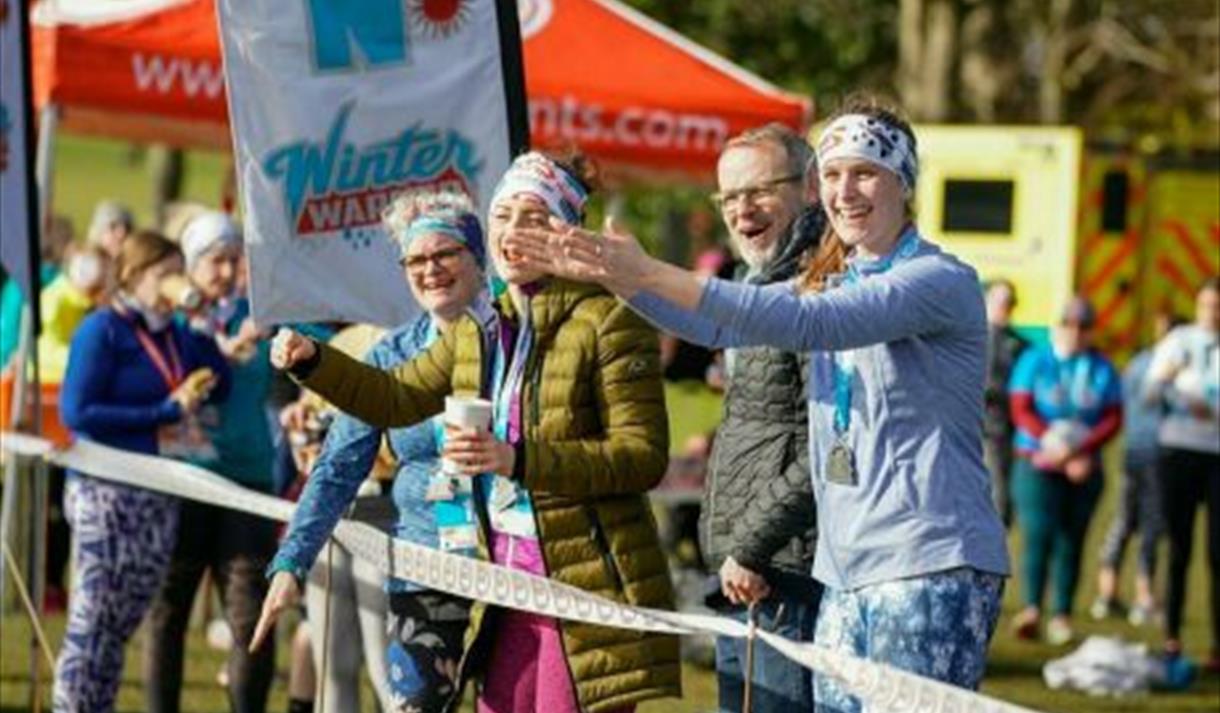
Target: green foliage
822,48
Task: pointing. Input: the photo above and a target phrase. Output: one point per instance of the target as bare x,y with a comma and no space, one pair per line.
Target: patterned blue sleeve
347,457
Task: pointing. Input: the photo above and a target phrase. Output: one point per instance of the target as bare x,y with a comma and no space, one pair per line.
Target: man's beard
759,259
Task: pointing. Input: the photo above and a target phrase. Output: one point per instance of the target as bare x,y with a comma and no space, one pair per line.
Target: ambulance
1135,231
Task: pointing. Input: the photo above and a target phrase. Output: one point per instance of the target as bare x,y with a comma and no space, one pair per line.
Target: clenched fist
289,349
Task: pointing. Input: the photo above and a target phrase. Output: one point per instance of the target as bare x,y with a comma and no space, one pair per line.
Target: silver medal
840,465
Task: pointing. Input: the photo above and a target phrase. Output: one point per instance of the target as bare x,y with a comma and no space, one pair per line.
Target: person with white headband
578,435
232,545
912,551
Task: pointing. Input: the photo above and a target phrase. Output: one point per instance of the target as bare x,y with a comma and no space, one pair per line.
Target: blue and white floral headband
539,176
870,139
462,226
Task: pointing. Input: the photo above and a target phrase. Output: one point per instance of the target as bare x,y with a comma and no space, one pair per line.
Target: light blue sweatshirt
917,335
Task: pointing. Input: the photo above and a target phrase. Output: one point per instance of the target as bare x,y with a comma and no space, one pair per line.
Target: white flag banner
336,106
16,180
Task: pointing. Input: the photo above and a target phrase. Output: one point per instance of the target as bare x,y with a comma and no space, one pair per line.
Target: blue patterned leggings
936,626
123,541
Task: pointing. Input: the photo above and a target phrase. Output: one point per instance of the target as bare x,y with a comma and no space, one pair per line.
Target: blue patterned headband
870,139
462,226
539,176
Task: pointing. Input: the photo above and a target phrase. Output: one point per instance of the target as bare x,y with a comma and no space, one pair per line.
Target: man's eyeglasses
725,200
446,258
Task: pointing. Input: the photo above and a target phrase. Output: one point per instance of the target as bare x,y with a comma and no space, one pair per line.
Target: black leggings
1190,479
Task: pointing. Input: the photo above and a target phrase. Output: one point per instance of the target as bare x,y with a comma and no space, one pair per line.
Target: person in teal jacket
235,546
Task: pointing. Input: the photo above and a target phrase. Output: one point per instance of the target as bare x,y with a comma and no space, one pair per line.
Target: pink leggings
527,670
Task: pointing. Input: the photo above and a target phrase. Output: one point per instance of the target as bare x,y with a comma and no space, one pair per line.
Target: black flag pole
512,68
35,208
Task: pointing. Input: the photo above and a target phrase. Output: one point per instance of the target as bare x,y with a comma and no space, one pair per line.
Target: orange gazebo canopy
632,93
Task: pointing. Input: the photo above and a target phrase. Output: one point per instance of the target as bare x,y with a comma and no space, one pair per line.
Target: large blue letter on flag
336,106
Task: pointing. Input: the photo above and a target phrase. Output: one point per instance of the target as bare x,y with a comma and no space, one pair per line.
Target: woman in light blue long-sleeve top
912,551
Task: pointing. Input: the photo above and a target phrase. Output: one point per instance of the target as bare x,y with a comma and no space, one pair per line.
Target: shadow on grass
1013,668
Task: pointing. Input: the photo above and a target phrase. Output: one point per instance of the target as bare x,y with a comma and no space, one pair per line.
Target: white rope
881,687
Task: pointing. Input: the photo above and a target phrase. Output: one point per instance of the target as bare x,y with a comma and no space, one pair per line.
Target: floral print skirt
938,626
426,629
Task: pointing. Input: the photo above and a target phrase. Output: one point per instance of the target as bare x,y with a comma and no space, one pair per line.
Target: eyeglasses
752,194
446,258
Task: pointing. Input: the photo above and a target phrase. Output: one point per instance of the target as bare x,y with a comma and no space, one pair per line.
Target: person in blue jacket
443,259
134,380
1067,403
912,552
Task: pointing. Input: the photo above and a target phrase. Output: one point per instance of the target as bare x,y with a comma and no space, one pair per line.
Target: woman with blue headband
443,258
912,551
578,435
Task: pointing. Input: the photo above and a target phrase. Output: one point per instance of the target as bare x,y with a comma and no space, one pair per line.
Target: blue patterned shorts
936,626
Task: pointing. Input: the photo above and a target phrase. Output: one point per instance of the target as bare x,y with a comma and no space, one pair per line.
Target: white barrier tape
882,688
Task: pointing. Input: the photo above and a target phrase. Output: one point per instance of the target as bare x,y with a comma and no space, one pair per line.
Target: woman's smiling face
518,212
866,203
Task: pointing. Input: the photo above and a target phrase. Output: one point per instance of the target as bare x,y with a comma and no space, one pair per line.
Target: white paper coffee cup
467,413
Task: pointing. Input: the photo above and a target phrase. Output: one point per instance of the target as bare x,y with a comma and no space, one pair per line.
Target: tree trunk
910,54
927,44
165,164
939,53
1054,62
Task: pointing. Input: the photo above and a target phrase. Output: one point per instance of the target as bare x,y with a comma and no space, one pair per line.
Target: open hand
613,259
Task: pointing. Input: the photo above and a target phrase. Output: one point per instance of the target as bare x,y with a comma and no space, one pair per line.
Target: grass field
90,170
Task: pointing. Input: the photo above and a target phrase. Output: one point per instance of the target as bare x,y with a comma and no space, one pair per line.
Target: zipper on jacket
709,531
535,382
603,545
559,623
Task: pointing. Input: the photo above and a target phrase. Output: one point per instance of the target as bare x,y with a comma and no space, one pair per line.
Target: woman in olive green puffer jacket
582,435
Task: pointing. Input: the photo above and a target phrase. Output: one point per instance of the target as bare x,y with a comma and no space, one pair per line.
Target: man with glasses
757,521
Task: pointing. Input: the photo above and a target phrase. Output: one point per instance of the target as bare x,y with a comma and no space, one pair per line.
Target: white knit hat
206,232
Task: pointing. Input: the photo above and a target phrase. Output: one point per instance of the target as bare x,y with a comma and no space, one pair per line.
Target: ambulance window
1114,202
973,206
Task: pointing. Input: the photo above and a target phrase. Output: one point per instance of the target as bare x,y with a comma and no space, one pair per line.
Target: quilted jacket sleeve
785,508
389,398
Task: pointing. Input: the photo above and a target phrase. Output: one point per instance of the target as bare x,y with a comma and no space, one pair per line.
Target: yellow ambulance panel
1183,235
1004,199
1112,235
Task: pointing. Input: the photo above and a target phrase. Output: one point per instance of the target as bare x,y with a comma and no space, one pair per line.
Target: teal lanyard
844,372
